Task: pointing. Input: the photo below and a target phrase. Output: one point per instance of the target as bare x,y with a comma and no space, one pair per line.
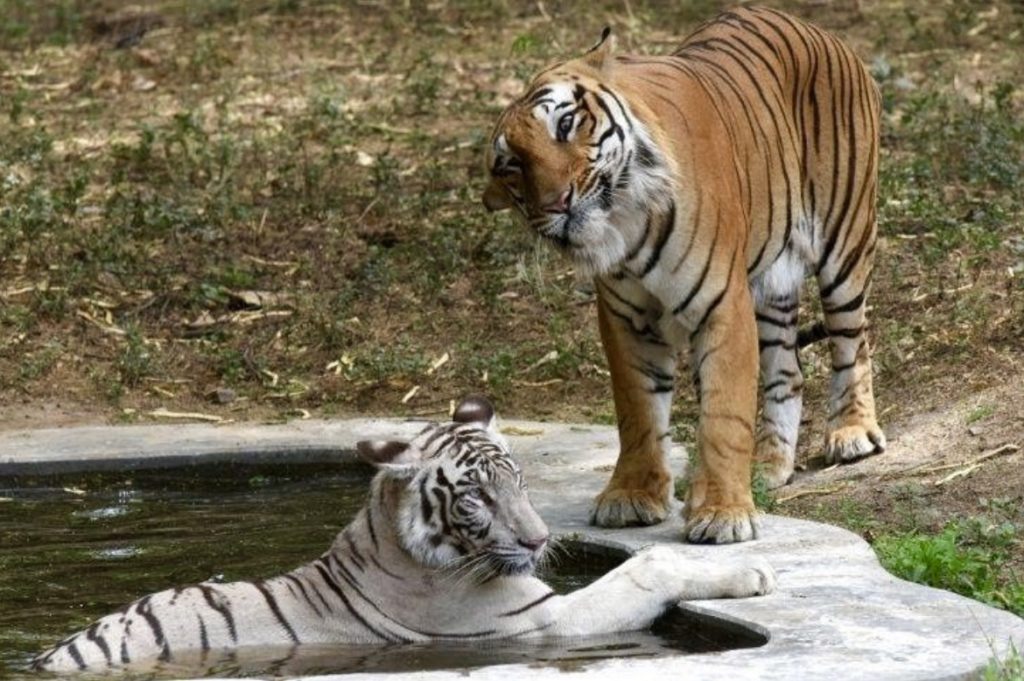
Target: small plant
966,557
1010,668
134,362
979,413
764,498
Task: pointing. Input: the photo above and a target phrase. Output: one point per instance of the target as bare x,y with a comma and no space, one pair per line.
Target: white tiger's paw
659,565
754,577
849,443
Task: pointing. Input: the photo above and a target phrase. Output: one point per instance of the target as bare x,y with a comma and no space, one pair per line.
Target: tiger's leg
633,595
643,372
782,380
853,430
719,504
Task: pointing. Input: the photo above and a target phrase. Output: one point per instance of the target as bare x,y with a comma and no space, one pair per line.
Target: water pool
78,546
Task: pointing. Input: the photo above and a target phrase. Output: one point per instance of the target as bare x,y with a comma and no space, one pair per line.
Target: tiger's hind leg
843,279
777,302
643,374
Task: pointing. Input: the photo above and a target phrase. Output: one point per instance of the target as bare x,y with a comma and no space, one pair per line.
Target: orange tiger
698,189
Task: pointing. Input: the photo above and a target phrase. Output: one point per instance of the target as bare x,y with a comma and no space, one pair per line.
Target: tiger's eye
565,126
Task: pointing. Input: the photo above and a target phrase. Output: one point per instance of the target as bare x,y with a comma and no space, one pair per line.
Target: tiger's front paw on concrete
721,525
852,442
618,507
755,577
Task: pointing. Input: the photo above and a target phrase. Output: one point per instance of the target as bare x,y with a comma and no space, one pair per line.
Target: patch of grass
1010,668
134,361
764,498
965,557
980,412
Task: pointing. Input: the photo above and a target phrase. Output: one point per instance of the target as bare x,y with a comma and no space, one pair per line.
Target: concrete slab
837,613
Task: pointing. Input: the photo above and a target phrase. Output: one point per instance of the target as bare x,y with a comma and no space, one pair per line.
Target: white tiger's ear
475,409
396,458
598,55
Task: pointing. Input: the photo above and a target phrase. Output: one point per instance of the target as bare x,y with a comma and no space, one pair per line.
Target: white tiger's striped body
389,576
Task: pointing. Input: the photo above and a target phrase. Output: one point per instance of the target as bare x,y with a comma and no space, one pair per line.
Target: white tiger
452,499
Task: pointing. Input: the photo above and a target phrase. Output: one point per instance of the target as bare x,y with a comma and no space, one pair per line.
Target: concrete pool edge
837,612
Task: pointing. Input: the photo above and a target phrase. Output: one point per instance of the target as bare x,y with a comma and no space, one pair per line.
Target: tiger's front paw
754,577
721,524
617,507
852,442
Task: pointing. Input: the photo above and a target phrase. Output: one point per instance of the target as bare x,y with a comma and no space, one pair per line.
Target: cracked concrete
836,614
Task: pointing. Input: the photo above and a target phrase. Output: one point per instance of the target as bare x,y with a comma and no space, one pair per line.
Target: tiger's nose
534,544
559,205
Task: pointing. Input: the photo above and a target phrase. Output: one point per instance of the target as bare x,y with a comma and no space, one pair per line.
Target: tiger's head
462,498
570,152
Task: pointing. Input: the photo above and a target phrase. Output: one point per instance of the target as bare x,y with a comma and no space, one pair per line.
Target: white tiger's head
464,499
569,153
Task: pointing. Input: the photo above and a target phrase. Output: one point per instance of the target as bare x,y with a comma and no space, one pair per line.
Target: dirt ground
270,210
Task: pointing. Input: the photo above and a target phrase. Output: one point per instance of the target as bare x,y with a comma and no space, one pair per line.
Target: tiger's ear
475,409
398,459
600,54
495,197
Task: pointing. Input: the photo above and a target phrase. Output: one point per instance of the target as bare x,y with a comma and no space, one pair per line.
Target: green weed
980,412
965,557
764,498
1011,668
134,361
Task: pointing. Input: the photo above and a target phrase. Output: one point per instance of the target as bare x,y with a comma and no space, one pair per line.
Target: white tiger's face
572,159
465,503
473,506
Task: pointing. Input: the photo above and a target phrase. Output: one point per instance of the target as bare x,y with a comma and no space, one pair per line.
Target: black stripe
700,281
384,569
302,589
369,525
717,300
76,656
143,608
667,227
90,634
539,94
224,611
274,608
846,332
618,102
355,555
812,334
336,588
645,155
775,342
633,252
204,639
425,508
780,323
532,604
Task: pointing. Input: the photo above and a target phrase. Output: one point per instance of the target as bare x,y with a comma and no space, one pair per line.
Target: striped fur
699,189
443,550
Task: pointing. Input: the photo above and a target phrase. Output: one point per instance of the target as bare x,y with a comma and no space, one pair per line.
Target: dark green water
76,547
